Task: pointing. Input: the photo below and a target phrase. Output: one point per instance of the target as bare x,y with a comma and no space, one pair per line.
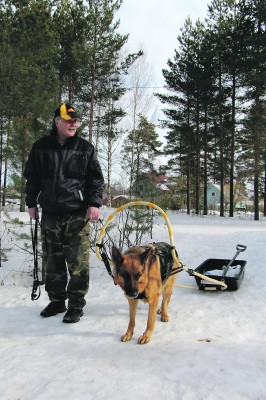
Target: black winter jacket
63,179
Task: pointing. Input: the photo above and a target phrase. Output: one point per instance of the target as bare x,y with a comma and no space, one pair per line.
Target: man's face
66,129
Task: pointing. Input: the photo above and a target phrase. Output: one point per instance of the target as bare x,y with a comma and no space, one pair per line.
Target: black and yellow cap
66,111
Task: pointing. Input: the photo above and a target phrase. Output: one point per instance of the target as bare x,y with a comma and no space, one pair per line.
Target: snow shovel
239,248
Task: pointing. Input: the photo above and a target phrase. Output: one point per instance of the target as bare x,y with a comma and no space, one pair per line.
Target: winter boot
73,315
53,308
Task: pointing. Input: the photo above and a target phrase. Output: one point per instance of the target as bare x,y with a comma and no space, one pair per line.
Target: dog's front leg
146,337
132,318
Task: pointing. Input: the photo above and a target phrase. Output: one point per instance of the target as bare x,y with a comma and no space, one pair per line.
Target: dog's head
131,269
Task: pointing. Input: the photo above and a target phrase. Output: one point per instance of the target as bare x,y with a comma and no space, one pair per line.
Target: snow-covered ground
212,348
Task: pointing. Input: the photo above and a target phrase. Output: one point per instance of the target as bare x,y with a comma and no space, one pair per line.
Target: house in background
161,183
213,196
149,186
121,199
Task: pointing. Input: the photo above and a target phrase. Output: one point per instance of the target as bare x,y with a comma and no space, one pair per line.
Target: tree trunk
205,200
256,159
232,152
93,80
6,168
70,89
221,142
188,172
109,155
131,178
23,161
92,100
264,197
197,184
109,162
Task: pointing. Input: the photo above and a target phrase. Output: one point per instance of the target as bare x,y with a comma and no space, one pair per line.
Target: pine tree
104,45
183,80
226,21
218,12
32,84
254,80
144,143
70,24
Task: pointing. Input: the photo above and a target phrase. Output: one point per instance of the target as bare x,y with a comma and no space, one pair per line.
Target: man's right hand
33,213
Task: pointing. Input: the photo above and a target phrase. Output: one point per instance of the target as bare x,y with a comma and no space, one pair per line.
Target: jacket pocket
46,164
75,167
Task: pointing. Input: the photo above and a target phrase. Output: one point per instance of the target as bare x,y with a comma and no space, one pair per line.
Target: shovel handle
239,248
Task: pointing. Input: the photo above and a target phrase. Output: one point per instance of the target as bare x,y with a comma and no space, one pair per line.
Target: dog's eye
125,275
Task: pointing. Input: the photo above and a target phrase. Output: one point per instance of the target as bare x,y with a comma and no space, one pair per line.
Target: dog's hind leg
167,293
132,318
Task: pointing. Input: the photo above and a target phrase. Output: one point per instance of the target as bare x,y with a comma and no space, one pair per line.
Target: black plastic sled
231,272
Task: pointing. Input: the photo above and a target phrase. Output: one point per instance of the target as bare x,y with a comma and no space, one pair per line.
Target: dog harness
163,250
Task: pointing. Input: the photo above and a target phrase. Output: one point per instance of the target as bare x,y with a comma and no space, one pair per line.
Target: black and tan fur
138,273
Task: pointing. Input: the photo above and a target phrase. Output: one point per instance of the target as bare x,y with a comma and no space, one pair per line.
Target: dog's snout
132,293
131,289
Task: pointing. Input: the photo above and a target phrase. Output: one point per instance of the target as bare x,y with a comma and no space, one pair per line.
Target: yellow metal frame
177,263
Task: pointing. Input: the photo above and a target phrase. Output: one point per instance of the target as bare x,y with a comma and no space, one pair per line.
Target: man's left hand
93,213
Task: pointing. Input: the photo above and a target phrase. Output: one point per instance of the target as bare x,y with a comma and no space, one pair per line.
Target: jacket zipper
37,198
81,195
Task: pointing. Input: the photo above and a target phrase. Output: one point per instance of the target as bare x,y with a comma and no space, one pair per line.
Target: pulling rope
36,288
177,265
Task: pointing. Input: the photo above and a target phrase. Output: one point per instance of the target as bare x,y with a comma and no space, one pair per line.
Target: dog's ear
145,254
117,256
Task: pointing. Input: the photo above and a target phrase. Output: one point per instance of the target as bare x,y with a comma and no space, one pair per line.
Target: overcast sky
155,24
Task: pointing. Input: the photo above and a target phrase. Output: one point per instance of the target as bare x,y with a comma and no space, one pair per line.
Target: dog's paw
164,318
143,339
126,337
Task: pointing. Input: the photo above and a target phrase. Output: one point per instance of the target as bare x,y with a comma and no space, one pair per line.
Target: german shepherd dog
142,272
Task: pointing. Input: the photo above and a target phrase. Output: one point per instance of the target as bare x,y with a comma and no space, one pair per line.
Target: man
64,177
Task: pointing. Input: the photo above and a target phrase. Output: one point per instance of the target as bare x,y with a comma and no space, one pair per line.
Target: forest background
214,105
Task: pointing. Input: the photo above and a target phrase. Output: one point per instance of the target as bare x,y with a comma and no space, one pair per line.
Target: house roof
215,185
161,178
163,187
121,196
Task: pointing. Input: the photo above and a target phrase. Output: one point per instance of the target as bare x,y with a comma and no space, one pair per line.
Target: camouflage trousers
65,246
